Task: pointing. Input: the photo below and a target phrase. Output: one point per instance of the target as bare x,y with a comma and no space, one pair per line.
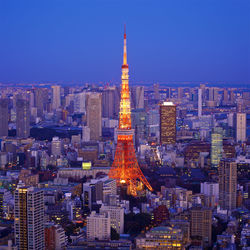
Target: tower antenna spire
125,168
125,62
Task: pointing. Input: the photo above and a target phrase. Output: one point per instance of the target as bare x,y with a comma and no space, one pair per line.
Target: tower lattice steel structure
125,168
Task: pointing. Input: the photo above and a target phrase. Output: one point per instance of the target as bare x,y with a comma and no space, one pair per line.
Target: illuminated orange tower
125,168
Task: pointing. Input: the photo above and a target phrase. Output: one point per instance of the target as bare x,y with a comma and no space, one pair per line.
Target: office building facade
167,123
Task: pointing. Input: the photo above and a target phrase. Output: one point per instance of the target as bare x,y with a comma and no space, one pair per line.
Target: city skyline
156,164
169,41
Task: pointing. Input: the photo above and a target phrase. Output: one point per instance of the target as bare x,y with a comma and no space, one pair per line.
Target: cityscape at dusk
125,124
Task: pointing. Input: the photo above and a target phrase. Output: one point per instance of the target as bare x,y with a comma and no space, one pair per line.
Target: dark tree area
136,223
218,229
114,234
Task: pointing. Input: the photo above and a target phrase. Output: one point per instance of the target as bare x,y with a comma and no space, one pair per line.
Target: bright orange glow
125,168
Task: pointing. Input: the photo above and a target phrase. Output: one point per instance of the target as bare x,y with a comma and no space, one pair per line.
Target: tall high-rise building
4,117
56,147
22,118
56,96
80,102
199,102
156,91
225,96
241,127
29,218
167,123
94,115
137,96
98,226
180,93
109,102
201,224
41,100
227,184
216,146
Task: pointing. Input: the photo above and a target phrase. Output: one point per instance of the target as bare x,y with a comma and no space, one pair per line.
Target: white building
56,146
116,216
98,226
56,96
199,102
79,102
210,189
241,127
85,134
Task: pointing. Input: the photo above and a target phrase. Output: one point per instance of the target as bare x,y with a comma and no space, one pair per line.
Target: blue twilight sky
168,40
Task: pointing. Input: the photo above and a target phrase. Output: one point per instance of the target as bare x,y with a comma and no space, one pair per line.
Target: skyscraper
156,91
29,218
4,117
56,147
180,93
22,118
216,146
199,102
41,99
201,224
80,102
167,123
109,102
125,168
56,96
241,127
137,96
94,115
227,184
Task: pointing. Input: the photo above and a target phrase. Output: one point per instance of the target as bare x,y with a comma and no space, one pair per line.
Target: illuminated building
29,218
167,123
216,146
2,190
116,213
94,115
161,238
22,118
227,184
4,117
201,224
160,214
98,226
241,127
125,168
56,96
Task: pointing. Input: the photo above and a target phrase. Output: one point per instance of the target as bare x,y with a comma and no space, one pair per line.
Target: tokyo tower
125,168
